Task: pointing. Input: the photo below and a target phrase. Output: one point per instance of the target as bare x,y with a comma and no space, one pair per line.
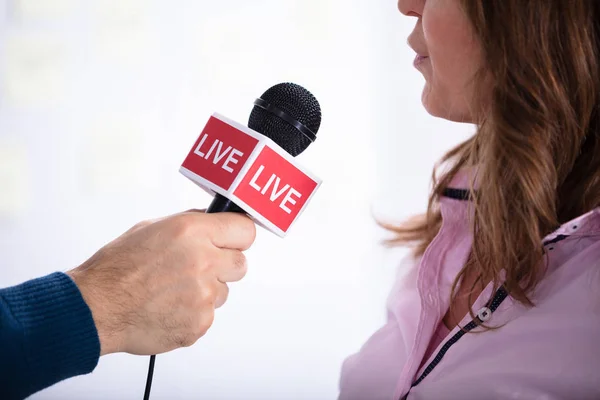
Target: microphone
252,169
289,115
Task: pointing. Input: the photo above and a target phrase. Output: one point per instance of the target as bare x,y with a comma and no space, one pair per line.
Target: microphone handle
221,203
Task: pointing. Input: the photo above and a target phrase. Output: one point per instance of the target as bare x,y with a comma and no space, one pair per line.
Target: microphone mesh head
298,103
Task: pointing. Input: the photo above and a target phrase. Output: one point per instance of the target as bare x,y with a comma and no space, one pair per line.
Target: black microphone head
289,115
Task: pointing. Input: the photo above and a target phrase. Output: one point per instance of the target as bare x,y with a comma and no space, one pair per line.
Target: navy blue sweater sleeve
47,334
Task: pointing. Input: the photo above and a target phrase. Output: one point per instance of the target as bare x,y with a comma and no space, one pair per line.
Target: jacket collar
458,195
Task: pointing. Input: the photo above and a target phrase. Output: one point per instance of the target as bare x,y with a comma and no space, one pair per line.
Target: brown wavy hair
537,145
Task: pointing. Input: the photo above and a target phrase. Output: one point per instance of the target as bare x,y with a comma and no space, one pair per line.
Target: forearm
47,334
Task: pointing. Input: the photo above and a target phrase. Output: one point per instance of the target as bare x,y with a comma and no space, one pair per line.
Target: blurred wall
100,101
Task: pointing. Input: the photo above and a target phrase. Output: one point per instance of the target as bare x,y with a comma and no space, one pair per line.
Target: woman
501,295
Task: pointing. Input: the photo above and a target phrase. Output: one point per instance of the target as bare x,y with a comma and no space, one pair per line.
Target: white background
101,100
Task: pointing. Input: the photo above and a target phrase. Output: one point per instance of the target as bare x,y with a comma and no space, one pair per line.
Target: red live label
275,188
219,153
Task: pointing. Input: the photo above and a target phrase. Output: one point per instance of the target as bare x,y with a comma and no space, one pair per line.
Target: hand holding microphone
156,287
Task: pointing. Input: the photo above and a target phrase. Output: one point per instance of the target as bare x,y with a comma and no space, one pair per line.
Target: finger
148,222
222,295
231,230
205,320
231,266
208,291
154,220
190,211
139,225
195,210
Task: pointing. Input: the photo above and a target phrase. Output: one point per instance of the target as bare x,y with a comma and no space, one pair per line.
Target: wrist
106,325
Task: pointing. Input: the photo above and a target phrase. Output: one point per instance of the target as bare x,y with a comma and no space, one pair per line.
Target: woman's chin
436,108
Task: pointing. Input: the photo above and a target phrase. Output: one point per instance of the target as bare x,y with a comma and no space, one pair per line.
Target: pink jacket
550,352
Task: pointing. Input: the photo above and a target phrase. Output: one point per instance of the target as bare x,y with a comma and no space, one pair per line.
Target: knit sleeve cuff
60,339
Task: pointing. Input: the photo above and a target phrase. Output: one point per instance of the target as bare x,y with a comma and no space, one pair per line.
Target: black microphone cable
149,378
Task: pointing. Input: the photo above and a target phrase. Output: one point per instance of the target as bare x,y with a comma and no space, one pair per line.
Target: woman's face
448,56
